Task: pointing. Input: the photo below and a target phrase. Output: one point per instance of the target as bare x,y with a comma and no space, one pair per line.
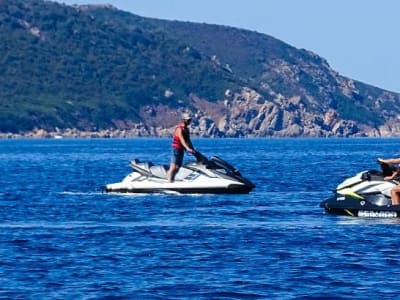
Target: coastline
159,132
75,133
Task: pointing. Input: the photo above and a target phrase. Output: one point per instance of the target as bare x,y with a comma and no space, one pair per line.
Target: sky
360,39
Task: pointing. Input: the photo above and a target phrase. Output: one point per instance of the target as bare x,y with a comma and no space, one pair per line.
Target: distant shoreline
131,134
144,132
78,134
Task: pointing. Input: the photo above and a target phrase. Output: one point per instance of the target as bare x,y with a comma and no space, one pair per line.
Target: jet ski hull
348,206
231,189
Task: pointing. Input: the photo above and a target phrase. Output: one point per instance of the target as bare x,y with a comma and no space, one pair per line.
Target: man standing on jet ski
395,191
181,142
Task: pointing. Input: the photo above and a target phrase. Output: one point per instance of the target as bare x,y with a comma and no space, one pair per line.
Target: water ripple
62,237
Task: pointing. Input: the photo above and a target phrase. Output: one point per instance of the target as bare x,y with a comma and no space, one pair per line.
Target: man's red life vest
176,142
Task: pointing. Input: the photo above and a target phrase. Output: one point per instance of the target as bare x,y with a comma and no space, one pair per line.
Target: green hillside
93,67
67,67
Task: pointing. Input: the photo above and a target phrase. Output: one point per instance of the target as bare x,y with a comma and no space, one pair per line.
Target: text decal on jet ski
377,214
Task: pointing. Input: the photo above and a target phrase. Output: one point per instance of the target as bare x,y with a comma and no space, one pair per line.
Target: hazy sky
359,38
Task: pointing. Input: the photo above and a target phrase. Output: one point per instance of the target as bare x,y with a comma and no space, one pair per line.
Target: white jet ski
367,194
204,176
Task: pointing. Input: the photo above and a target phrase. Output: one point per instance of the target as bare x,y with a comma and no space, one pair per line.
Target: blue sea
61,237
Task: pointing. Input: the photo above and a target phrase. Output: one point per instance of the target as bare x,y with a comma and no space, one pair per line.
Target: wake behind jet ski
205,176
367,194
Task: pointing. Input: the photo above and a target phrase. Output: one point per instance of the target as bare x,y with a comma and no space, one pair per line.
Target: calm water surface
61,237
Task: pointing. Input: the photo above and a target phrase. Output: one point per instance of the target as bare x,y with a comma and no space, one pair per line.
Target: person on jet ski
395,191
180,142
